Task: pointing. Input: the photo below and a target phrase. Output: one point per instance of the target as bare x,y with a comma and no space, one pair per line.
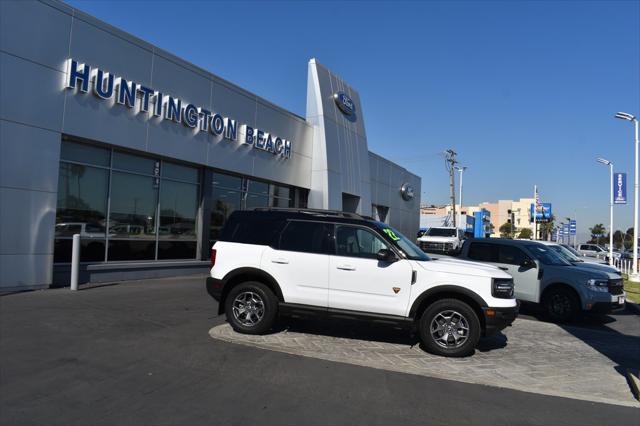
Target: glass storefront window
256,187
134,163
256,200
224,202
132,219
179,172
178,212
279,191
81,209
227,181
128,207
82,153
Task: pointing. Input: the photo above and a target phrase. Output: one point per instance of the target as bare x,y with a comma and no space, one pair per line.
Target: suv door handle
503,268
280,260
347,267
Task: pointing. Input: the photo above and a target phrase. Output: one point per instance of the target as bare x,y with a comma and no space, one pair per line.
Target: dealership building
145,155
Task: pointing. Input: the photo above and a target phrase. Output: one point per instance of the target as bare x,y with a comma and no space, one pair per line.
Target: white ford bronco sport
271,262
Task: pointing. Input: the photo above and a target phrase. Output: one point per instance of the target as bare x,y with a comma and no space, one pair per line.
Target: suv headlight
599,285
502,288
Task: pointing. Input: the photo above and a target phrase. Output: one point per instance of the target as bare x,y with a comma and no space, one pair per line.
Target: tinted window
252,228
511,255
483,252
358,242
308,237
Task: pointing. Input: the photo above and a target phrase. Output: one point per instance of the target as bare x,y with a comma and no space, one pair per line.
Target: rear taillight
213,257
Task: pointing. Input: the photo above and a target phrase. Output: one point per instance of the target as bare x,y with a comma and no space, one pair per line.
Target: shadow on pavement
379,332
593,329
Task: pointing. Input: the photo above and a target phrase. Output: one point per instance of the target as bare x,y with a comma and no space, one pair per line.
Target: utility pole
451,164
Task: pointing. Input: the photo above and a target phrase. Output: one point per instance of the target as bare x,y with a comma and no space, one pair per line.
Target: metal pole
634,276
610,215
453,197
535,212
75,261
460,211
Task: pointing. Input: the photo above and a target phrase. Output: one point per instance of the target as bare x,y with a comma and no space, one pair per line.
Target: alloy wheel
449,329
248,308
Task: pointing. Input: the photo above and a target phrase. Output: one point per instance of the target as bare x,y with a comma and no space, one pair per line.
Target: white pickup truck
445,239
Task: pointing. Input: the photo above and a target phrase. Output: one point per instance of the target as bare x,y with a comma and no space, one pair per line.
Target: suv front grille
433,246
616,287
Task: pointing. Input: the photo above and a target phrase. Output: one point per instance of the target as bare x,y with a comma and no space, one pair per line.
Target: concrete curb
634,383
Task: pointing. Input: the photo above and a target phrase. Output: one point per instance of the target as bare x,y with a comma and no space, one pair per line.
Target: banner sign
543,212
572,227
619,188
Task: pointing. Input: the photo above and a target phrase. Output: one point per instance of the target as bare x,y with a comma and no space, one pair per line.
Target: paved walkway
531,356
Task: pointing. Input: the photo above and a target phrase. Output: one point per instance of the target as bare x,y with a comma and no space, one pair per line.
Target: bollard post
75,261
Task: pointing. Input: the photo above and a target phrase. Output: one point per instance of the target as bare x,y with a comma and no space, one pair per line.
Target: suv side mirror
528,264
386,255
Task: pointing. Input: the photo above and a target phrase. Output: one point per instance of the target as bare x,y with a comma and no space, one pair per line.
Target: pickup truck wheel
561,305
449,327
251,308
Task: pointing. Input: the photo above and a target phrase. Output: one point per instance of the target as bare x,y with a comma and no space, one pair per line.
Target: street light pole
461,170
610,164
634,274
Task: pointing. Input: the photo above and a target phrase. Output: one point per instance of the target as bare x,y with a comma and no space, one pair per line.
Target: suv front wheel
561,304
251,307
449,327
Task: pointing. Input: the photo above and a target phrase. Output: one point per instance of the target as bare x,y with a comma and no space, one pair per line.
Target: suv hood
463,267
597,266
592,272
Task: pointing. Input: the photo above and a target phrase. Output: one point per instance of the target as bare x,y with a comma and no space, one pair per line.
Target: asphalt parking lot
141,353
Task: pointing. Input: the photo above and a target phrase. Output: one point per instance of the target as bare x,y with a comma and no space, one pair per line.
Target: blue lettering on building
99,87
105,85
126,92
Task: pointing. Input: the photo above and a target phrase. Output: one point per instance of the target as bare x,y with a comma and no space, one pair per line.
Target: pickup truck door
509,259
523,270
359,282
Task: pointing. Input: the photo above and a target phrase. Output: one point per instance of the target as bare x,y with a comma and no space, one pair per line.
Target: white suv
322,263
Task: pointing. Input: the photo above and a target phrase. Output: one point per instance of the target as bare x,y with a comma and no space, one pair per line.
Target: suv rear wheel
449,327
251,307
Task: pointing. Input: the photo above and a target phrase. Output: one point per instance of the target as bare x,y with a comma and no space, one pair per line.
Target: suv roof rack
316,212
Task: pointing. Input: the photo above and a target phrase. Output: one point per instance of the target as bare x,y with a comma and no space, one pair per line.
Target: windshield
412,251
441,232
564,253
546,255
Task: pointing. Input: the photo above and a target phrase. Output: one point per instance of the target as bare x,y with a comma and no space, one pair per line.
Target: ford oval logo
406,191
345,103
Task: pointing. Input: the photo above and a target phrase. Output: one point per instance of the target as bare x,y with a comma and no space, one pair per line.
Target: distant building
498,213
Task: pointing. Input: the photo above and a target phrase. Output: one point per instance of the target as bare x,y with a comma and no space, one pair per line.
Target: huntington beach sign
82,78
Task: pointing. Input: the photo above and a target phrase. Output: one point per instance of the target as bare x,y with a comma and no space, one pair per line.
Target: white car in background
592,250
441,239
586,259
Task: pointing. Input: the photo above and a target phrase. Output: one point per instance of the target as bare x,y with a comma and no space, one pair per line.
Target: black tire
561,304
260,308
447,345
